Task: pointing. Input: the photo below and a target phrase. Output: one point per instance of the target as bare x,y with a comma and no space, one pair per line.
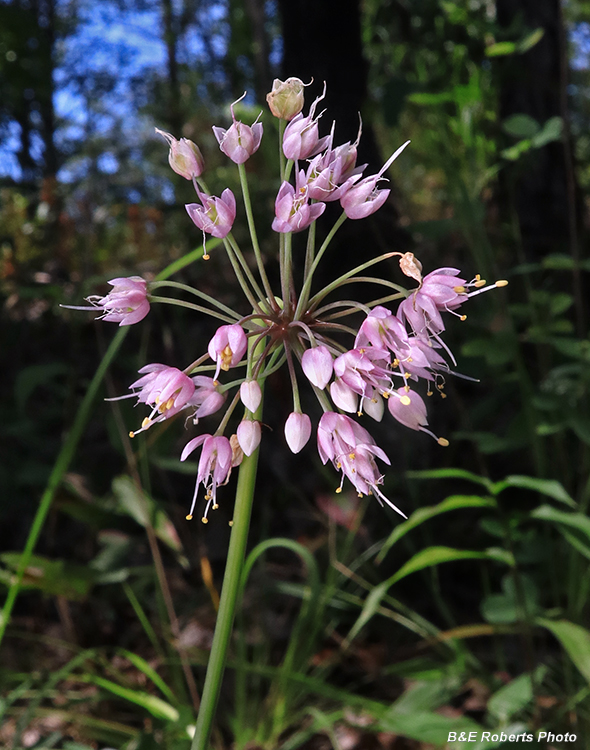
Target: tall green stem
229,596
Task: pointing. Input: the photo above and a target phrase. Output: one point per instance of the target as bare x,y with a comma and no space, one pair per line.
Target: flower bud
249,436
250,394
297,431
185,156
286,98
317,366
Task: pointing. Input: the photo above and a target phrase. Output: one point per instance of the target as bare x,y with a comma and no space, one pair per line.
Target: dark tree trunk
535,84
260,48
322,40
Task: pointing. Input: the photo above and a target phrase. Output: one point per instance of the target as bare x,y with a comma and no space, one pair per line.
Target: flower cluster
390,354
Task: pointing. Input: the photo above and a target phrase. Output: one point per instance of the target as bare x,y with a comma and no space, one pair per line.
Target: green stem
253,235
229,596
198,293
239,275
304,296
192,306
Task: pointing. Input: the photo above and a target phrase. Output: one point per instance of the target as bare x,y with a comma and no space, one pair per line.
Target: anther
459,289
502,282
214,507
189,517
206,257
132,434
405,400
463,317
204,520
230,523
338,490
443,441
479,283
145,422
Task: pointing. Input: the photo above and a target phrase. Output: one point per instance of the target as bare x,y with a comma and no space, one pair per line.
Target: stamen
189,517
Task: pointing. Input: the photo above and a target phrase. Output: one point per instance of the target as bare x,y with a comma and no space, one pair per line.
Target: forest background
473,621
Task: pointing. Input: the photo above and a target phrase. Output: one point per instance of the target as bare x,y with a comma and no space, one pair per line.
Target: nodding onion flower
382,358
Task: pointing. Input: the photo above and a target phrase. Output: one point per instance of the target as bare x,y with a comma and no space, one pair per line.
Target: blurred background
357,632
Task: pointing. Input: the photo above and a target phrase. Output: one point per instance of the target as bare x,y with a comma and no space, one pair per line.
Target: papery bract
286,98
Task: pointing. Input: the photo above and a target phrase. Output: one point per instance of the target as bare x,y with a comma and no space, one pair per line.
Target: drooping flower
185,156
227,347
166,389
127,302
214,467
206,397
409,409
365,371
364,198
352,450
240,141
216,215
297,431
293,211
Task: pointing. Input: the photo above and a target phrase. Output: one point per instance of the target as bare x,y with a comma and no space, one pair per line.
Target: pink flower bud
185,156
227,347
301,137
297,431
317,366
249,435
251,394
216,216
286,98
240,141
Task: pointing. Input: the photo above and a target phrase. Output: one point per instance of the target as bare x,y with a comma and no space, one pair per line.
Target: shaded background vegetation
109,636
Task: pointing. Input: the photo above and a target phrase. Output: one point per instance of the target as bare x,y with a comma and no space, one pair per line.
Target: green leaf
149,671
451,474
454,502
501,48
425,726
578,522
529,41
549,487
513,697
575,639
515,152
425,98
552,130
521,126
154,705
54,577
425,696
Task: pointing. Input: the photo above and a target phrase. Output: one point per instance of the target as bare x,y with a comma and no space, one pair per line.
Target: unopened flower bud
185,156
250,394
297,431
286,98
317,366
249,436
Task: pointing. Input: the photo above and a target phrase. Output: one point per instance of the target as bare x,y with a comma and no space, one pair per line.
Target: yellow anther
360,494
395,362
170,403
352,456
146,422
479,283
230,523
502,282
459,289
359,414
132,434
353,471
214,507
407,375
409,359
205,519
443,395
338,490
385,394
463,317
407,387
443,441
226,357
478,277
206,257
157,401
405,400
338,465
189,517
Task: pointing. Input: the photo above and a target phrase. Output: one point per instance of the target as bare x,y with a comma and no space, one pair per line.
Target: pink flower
240,141
214,467
166,389
383,330
293,212
206,397
327,177
365,370
364,198
251,395
216,216
343,396
297,431
318,366
352,450
249,435
409,409
125,304
301,137
185,156
227,347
